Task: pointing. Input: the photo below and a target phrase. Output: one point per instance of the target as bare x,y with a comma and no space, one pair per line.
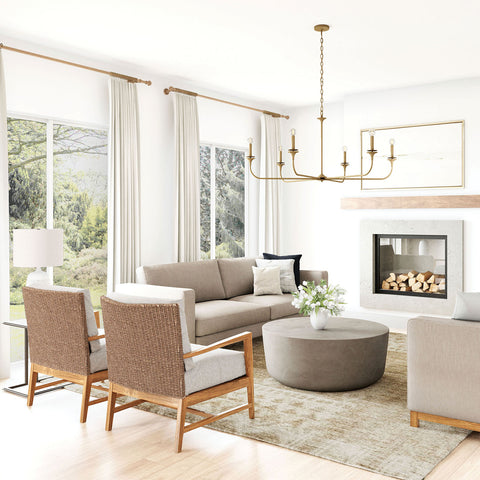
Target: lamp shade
38,248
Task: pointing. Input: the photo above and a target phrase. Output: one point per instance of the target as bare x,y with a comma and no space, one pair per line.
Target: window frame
213,146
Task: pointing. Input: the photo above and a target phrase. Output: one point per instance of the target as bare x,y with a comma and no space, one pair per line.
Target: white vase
319,319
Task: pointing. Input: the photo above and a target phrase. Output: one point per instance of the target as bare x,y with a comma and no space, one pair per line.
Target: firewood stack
413,281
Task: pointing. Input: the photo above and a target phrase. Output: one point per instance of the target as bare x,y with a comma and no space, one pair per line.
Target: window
58,179
222,202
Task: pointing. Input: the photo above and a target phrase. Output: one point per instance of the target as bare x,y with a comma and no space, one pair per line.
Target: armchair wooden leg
181,413
87,386
248,353
31,386
413,419
250,396
112,397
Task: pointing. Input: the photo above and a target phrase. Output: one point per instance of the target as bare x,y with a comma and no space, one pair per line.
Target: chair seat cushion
214,368
280,305
221,315
98,359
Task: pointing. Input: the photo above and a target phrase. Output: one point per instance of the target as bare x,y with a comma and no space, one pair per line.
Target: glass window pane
205,201
80,171
229,203
27,154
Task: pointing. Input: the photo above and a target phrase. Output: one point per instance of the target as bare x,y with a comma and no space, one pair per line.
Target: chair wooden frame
183,405
452,422
86,381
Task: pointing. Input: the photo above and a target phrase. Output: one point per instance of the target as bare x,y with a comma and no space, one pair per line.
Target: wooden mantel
428,201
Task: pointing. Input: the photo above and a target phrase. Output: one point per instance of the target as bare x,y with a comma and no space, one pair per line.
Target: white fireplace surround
417,304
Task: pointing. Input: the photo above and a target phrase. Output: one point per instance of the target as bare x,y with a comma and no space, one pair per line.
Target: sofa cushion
203,277
467,306
287,277
220,315
296,264
237,275
266,281
213,368
280,305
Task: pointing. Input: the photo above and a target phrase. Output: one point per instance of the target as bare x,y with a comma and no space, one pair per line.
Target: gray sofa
217,296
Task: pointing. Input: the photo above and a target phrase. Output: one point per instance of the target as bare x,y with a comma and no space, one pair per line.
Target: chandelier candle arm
293,150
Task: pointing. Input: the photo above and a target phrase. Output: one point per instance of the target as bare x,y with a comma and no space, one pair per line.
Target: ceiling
265,49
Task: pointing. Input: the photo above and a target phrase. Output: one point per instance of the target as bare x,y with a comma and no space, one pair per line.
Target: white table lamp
38,248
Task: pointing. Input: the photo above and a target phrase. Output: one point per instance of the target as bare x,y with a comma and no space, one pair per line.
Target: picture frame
429,155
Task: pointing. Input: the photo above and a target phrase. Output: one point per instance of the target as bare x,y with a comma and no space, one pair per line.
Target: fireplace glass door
411,265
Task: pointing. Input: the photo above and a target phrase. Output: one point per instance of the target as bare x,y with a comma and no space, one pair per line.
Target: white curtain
187,153
124,201
269,196
4,235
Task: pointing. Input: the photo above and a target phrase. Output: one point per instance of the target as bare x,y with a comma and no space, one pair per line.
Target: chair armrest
187,294
313,275
97,317
245,337
96,337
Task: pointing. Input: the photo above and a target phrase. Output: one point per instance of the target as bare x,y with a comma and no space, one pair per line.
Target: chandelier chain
321,74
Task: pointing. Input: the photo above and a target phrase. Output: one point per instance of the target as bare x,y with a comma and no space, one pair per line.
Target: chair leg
250,396
112,397
87,386
181,413
413,419
31,386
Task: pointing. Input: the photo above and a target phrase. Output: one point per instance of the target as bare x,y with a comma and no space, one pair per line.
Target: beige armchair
148,361
444,372
59,342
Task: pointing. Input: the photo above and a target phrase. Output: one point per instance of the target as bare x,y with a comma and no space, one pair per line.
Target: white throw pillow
467,306
92,329
132,299
287,276
266,281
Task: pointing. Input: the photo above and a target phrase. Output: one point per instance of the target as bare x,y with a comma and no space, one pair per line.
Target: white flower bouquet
314,298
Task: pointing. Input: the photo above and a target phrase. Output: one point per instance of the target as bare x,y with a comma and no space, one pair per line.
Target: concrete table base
347,355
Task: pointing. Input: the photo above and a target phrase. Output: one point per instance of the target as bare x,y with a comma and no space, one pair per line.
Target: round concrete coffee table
347,355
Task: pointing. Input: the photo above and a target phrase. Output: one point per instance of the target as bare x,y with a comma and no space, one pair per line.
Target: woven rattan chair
59,343
146,362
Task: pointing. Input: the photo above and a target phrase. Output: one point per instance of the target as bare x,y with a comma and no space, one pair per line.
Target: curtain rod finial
166,91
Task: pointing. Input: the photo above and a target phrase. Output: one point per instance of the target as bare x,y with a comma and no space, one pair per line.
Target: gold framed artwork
429,155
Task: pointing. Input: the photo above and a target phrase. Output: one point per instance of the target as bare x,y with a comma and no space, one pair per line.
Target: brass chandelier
299,177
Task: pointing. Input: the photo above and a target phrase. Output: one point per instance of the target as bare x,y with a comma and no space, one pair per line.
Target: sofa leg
413,419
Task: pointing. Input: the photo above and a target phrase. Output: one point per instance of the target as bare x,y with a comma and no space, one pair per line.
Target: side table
22,323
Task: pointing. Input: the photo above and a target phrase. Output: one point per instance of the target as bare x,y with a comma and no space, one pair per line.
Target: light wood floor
47,441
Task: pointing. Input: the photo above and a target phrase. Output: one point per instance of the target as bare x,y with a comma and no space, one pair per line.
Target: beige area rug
367,428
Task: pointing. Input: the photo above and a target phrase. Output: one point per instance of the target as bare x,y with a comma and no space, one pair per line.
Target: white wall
315,225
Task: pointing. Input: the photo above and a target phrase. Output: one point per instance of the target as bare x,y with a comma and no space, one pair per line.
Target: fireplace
413,265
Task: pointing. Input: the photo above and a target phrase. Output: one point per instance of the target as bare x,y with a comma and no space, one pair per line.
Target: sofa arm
444,367
313,275
171,293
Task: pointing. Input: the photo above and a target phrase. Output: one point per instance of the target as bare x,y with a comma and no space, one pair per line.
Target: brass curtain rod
166,91
112,74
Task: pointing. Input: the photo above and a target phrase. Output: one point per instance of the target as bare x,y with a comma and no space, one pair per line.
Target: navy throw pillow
296,263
